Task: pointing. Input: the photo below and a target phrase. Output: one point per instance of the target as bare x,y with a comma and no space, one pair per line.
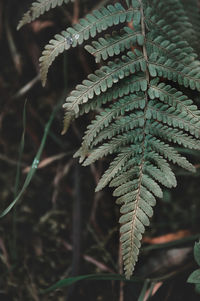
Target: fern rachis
143,109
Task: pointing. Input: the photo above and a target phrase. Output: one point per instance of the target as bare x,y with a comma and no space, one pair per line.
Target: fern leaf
166,68
174,98
191,9
38,8
152,186
133,221
88,27
131,123
174,135
172,16
104,119
124,87
172,117
124,176
103,79
134,83
110,147
114,168
171,154
114,44
159,27
157,174
178,53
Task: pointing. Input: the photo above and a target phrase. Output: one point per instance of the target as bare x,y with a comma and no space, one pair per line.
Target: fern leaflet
38,8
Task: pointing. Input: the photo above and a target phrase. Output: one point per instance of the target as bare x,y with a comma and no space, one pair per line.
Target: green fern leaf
171,154
140,97
164,67
115,44
38,8
174,135
104,119
143,122
191,9
88,27
114,168
103,79
124,87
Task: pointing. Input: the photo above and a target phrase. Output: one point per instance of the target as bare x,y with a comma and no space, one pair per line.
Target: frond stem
144,50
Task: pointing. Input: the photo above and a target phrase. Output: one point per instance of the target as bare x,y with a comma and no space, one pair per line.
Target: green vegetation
140,100
145,115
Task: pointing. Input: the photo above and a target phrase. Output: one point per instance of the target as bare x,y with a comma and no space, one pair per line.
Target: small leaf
135,3
38,8
194,277
136,18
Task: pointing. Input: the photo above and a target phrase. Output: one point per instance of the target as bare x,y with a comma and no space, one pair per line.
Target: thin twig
76,12
31,287
60,174
4,256
10,161
11,43
24,90
101,266
47,161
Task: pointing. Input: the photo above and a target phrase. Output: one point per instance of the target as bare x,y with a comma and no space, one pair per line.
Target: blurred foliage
195,276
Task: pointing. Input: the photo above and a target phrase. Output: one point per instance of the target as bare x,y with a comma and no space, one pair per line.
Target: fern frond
104,119
125,86
110,147
173,117
174,135
105,78
38,8
129,123
174,98
173,16
171,154
164,67
101,80
178,53
114,44
157,174
145,120
160,27
114,168
88,27
141,100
